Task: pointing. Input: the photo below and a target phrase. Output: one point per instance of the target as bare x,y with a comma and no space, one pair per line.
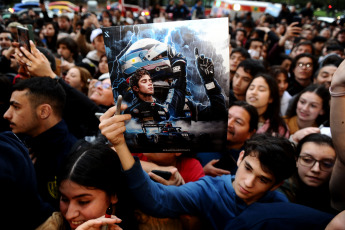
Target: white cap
95,33
104,76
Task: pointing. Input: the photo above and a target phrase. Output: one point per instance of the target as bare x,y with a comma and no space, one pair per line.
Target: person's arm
291,31
154,198
337,120
112,127
80,38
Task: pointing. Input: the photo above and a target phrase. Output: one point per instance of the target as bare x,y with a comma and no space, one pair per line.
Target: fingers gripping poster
174,79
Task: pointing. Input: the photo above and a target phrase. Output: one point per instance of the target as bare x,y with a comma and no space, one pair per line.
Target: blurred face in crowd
238,126
49,30
309,107
240,83
286,64
283,83
21,114
251,181
73,78
325,33
98,43
256,46
303,49
65,52
79,204
102,93
315,163
235,60
325,75
258,95
103,65
5,40
240,36
64,24
341,37
303,71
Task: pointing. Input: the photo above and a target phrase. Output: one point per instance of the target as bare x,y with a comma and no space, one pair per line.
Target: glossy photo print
174,79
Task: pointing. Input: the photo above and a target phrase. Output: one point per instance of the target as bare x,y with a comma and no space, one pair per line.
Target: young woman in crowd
302,71
308,110
263,94
100,91
50,33
79,78
102,66
281,76
310,185
91,184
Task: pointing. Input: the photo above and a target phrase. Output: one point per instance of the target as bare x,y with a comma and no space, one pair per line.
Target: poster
174,78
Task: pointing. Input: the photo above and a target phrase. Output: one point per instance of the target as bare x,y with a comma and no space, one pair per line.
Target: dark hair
65,17
253,113
249,41
331,59
305,43
276,155
320,67
242,51
319,90
136,76
71,45
317,138
85,76
302,55
97,166
241,30
52,44
251,66
273,109
276,70
43,90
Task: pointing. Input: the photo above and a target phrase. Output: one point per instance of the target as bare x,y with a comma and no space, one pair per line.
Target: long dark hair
273,109
98,166
319,90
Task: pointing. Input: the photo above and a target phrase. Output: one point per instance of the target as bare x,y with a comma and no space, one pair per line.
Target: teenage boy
244,75
263,165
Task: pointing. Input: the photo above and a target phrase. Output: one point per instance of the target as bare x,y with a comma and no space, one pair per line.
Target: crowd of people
283,167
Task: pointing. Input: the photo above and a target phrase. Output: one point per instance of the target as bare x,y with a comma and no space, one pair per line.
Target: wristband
336,94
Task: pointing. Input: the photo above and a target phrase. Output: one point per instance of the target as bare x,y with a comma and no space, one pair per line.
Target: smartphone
297,19
164,174
23,37
227,162
31,32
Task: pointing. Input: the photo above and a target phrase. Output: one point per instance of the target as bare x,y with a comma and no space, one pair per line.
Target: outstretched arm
112,127
337,185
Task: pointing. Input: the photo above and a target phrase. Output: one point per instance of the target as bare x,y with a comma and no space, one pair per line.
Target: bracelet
336,94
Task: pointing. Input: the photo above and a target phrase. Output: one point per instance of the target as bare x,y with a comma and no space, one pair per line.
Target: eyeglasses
309,161
104,85
307,65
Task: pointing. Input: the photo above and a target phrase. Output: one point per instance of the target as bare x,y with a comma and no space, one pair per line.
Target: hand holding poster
170,76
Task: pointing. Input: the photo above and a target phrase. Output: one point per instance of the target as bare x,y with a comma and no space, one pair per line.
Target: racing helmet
148,54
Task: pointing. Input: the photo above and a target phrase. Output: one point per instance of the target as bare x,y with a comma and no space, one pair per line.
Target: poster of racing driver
174,79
